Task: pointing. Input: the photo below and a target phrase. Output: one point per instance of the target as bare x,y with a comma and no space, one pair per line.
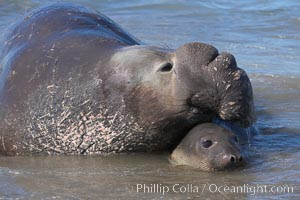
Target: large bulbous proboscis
217,84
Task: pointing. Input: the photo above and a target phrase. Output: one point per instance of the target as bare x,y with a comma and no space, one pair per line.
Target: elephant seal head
209,147
174,90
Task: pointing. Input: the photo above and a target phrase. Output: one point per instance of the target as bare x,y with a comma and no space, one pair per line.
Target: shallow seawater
263,36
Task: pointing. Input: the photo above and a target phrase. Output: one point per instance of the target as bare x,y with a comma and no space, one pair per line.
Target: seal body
209,147
74,82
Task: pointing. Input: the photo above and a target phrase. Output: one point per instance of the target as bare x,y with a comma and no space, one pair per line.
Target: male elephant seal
209,147
73,82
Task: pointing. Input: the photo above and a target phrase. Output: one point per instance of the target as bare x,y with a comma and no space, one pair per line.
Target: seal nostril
241,159
232,159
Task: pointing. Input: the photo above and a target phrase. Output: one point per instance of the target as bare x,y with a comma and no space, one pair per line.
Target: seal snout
219,87
232,160
199,53
224,61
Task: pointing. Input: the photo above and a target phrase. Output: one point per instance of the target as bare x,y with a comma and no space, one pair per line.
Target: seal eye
207,143
166,67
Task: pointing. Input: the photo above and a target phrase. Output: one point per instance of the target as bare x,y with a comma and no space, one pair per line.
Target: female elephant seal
209,147
73,82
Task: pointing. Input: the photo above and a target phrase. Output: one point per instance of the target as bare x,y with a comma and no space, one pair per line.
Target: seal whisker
153,52
177,105
164,45
180,112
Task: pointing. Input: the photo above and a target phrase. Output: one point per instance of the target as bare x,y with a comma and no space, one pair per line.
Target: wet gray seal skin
73,82
209,147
